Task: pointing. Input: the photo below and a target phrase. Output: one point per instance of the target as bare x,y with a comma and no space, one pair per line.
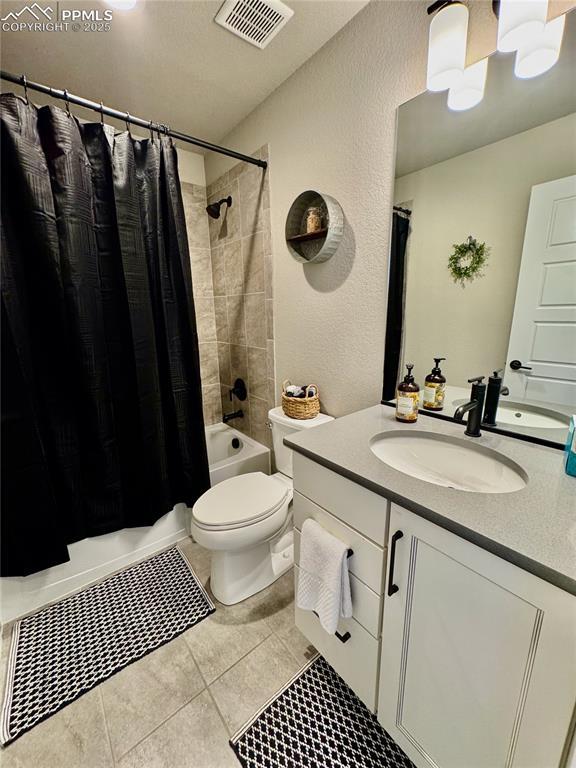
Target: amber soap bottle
407,397
434,388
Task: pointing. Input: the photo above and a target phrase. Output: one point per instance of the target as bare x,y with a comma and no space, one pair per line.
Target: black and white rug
316,721
66,649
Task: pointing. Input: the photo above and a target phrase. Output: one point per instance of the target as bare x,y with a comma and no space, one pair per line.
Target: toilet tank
282,426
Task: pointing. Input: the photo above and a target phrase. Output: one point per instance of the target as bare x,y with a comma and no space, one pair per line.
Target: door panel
543,333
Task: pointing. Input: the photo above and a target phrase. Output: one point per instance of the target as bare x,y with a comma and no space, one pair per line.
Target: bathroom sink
449,461
522,415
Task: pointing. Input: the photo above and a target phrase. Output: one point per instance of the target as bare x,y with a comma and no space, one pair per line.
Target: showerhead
213,209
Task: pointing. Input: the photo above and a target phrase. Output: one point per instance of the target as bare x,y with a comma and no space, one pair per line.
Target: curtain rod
128,118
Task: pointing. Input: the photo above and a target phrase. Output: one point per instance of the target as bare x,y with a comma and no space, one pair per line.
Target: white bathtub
96,558
232,453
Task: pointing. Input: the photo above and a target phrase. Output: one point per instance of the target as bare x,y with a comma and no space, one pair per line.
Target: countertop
534,528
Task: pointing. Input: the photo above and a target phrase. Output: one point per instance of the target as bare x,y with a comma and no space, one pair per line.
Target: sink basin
522,415
449,461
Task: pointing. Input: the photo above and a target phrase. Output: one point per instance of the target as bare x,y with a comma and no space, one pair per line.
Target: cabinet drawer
356,661
361,509
365,603
367,562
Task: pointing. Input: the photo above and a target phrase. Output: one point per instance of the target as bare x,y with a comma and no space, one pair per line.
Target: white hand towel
324,582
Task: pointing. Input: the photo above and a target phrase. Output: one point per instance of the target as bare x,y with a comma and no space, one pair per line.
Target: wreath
467,260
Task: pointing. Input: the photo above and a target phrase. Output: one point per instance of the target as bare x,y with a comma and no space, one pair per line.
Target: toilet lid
239,501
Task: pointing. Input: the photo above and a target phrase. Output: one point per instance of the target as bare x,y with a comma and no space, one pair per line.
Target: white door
478,656
543,334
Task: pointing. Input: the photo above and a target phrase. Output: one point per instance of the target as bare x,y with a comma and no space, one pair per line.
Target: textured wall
194,197
242,284
331,127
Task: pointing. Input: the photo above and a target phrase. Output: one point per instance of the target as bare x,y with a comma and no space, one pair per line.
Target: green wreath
467,260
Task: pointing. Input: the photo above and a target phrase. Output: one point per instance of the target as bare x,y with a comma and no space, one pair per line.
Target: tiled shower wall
194,198
242,294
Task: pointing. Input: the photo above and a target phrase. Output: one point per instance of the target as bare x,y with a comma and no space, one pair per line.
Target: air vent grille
256,21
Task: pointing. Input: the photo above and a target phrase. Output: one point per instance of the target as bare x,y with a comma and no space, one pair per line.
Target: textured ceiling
167,60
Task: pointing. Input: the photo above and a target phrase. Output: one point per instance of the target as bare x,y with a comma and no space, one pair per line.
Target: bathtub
232,453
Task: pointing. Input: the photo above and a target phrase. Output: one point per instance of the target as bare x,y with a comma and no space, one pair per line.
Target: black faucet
495,389
234,415
473,408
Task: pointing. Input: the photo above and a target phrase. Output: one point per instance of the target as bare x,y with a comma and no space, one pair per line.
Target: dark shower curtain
102,422
395,310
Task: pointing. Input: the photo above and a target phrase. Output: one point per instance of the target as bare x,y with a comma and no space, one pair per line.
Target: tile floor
179,705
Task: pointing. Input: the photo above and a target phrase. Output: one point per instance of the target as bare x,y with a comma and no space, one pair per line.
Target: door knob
516,365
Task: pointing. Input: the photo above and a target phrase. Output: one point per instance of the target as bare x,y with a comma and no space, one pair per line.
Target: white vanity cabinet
478,662
360,519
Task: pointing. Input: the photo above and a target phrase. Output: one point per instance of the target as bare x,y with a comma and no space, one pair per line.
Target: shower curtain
102,423
395,309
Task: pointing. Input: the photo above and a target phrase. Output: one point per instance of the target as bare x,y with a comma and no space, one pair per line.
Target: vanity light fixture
446,44
542,52
470,90
519,22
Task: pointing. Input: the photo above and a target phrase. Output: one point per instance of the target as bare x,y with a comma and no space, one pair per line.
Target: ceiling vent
256,21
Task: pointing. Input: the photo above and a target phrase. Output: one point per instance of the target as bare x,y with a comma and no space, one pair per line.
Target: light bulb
542,52
470,90
447,47
519,21
122,5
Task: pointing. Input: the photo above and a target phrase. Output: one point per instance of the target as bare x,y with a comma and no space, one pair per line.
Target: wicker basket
300,407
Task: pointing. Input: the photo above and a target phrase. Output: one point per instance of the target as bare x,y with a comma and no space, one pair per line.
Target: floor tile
194,737
75,736
241,691
297,644
227,635
145,694
197,556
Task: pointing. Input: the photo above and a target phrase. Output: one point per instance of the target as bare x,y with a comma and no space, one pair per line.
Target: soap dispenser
407,397
434,388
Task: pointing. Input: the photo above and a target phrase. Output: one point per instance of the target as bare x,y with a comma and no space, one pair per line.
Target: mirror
483,254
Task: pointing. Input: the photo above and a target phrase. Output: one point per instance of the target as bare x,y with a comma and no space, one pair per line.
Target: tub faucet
234,415
473,408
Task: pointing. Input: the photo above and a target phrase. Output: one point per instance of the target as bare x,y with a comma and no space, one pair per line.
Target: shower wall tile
205,318
253,263
218,271
236,319
224,364
255,307
209,363
201,263
202,267
233,268
221,318
242,284
212,404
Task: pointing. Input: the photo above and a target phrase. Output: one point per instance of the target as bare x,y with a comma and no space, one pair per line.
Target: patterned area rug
66,649
316,721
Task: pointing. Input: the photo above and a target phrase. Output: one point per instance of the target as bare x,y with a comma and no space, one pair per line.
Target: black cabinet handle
516,365
393,588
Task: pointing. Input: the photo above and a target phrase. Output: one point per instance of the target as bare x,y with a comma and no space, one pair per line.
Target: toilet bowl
246,521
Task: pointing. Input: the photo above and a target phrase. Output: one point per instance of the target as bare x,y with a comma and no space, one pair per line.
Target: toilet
246,521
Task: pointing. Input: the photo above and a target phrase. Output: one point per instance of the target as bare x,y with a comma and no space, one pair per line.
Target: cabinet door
478,656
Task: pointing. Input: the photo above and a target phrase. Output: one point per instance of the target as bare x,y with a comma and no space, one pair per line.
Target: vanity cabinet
359,518
478,662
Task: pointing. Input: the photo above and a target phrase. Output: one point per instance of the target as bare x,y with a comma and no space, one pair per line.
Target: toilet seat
239,502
